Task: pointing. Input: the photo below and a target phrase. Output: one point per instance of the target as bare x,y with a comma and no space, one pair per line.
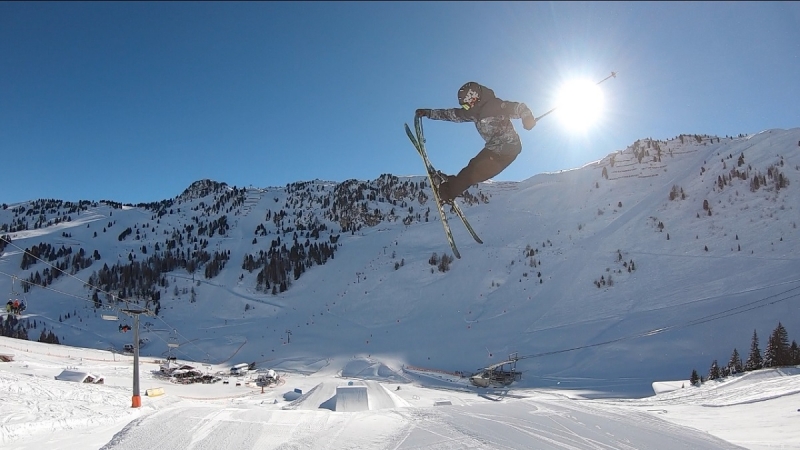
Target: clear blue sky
132,102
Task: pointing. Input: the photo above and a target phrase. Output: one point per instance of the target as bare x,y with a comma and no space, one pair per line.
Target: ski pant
486,164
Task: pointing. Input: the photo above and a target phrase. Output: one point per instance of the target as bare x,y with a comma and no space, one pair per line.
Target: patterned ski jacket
492,117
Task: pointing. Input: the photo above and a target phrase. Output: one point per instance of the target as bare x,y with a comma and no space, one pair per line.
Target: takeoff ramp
351,398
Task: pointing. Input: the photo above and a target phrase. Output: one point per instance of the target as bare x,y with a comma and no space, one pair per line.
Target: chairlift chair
173,341
110,317
14,306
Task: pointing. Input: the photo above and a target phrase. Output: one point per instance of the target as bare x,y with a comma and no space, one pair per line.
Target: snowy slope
755,410
681,307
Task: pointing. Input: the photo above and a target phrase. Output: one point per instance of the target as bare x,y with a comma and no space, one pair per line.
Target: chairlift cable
116,298
708,318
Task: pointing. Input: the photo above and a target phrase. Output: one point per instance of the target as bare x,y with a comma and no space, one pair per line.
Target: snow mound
371,370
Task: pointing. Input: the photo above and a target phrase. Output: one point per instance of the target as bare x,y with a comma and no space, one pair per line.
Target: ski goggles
469,104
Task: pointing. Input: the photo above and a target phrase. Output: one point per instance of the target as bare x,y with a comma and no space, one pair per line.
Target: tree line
16,328
778,353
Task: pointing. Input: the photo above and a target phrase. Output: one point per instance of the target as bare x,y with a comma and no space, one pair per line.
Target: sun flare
580,104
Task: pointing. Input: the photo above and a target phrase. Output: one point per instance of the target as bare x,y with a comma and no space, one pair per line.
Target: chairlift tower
136,401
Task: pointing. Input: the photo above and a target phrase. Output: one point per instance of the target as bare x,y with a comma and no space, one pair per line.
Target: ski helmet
469,95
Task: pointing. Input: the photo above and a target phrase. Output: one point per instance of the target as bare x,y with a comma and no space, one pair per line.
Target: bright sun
580,104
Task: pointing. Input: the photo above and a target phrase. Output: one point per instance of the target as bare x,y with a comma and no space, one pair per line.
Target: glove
529,122
423,113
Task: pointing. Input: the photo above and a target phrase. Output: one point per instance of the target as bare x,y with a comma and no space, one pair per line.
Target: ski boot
442,180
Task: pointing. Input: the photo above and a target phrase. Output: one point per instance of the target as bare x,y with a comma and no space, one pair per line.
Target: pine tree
434,259
780,342
695,378
713,372
770,352
735,363
794,352
754,360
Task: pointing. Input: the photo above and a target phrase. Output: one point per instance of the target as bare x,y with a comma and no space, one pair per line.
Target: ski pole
613,74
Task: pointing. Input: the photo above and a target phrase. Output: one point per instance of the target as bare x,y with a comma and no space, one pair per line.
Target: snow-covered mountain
642,266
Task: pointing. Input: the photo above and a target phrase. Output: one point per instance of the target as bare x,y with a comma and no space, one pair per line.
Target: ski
435,179
431,172
460,214
454,206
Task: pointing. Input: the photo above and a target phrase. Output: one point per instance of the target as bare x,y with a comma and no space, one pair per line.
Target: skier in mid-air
492,117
